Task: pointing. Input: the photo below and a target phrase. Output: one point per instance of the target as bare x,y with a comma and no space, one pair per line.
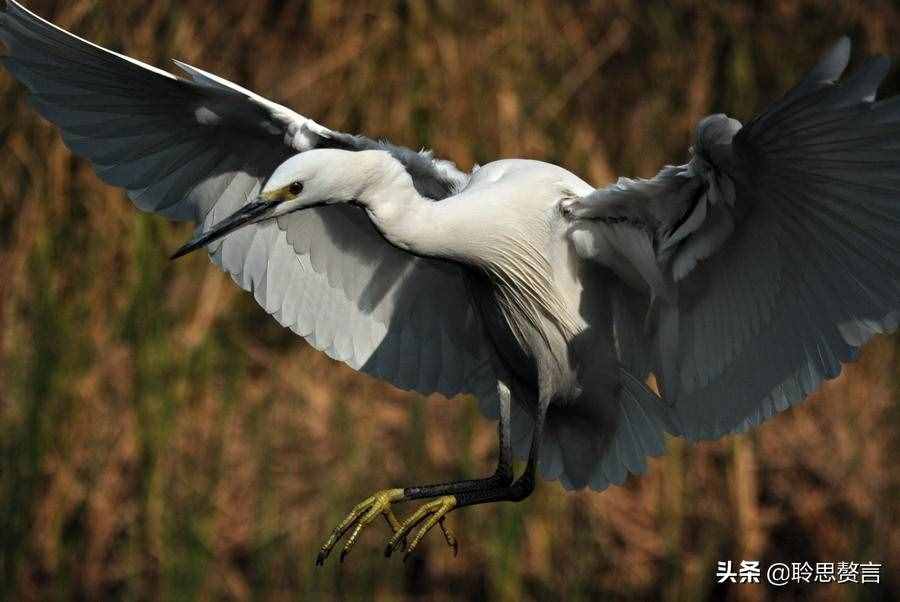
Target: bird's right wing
771,257
198,149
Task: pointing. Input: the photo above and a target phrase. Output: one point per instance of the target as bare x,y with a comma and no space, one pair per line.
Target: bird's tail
594,442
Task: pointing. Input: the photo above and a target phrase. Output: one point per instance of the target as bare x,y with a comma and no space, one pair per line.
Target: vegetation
162,438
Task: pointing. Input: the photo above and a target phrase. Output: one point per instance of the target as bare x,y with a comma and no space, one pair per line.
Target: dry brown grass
154,447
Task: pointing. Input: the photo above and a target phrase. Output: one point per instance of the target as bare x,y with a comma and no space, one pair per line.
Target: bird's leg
364,513
434,511
503,474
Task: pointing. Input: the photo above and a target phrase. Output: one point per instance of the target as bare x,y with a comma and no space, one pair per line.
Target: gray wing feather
784,258
638,435
200,148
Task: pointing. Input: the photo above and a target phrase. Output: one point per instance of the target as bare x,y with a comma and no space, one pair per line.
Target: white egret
741,279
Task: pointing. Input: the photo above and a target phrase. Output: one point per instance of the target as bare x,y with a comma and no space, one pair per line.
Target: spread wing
771,257
198,148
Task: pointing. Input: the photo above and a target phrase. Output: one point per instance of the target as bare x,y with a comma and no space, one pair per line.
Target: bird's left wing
199,148
770,258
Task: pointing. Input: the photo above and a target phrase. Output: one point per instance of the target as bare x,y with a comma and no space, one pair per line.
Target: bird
738,281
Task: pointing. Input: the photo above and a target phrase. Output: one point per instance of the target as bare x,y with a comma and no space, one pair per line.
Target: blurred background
162,438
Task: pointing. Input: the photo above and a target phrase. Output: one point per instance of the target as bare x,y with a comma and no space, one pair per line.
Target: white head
317,177
310,179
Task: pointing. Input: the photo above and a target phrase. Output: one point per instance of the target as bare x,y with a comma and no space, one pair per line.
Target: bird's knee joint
522,488
504,475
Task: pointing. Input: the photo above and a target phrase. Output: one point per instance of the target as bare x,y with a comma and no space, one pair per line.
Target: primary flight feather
741,279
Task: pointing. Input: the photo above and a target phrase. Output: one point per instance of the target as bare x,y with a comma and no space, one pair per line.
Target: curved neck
403,216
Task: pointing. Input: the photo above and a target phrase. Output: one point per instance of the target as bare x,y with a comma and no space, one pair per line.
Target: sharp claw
359,518
429,524
393,543
393,523
448,536
425,518
427,515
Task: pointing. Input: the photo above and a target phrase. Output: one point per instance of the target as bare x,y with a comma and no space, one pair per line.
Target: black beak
242,216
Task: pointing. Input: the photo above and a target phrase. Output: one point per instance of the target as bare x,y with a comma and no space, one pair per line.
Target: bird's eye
295,188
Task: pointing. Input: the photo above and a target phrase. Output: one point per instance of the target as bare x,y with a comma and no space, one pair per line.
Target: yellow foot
428,515
361,516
